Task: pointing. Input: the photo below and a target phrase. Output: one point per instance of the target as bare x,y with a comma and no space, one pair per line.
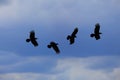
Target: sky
53,20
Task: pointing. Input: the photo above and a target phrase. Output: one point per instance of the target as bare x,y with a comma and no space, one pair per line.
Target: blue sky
53,20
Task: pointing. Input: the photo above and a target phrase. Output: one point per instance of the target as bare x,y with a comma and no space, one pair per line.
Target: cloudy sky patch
63,68
87,59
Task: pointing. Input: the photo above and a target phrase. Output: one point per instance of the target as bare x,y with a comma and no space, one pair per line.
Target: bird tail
68,37
92,35
49,46
27,40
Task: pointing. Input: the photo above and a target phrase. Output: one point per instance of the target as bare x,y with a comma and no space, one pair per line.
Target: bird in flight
32,38
54,46
96,33
72,37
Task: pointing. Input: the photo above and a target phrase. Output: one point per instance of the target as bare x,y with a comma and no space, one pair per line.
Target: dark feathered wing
75,32
32,34
56,49
97,29
34,42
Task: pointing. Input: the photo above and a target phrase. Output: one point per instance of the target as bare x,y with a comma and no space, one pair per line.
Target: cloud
116,73
81,68
10,62
58,12
4,2
26,76
72,68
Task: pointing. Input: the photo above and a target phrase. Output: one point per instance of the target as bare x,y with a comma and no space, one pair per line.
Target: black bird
32,38
54,46
96,33
72,37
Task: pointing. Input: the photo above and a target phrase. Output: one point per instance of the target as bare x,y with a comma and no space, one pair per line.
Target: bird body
96,33
72,37
32,39
54,46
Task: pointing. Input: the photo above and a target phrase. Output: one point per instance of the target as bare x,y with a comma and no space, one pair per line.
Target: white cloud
116,73
65,69
80,68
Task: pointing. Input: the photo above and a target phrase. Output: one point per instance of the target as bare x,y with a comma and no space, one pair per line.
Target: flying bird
96,33
32,38
72,37
54,46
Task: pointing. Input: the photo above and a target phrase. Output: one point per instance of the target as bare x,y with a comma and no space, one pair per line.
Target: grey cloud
60,11
11,62
66,68
71,73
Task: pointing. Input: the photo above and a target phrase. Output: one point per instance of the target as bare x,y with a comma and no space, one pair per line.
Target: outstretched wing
97,28
34,42
75,32
55,47
32,34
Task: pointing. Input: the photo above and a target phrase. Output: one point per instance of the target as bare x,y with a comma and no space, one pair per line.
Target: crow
96,33
54,46
32,38
72,37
